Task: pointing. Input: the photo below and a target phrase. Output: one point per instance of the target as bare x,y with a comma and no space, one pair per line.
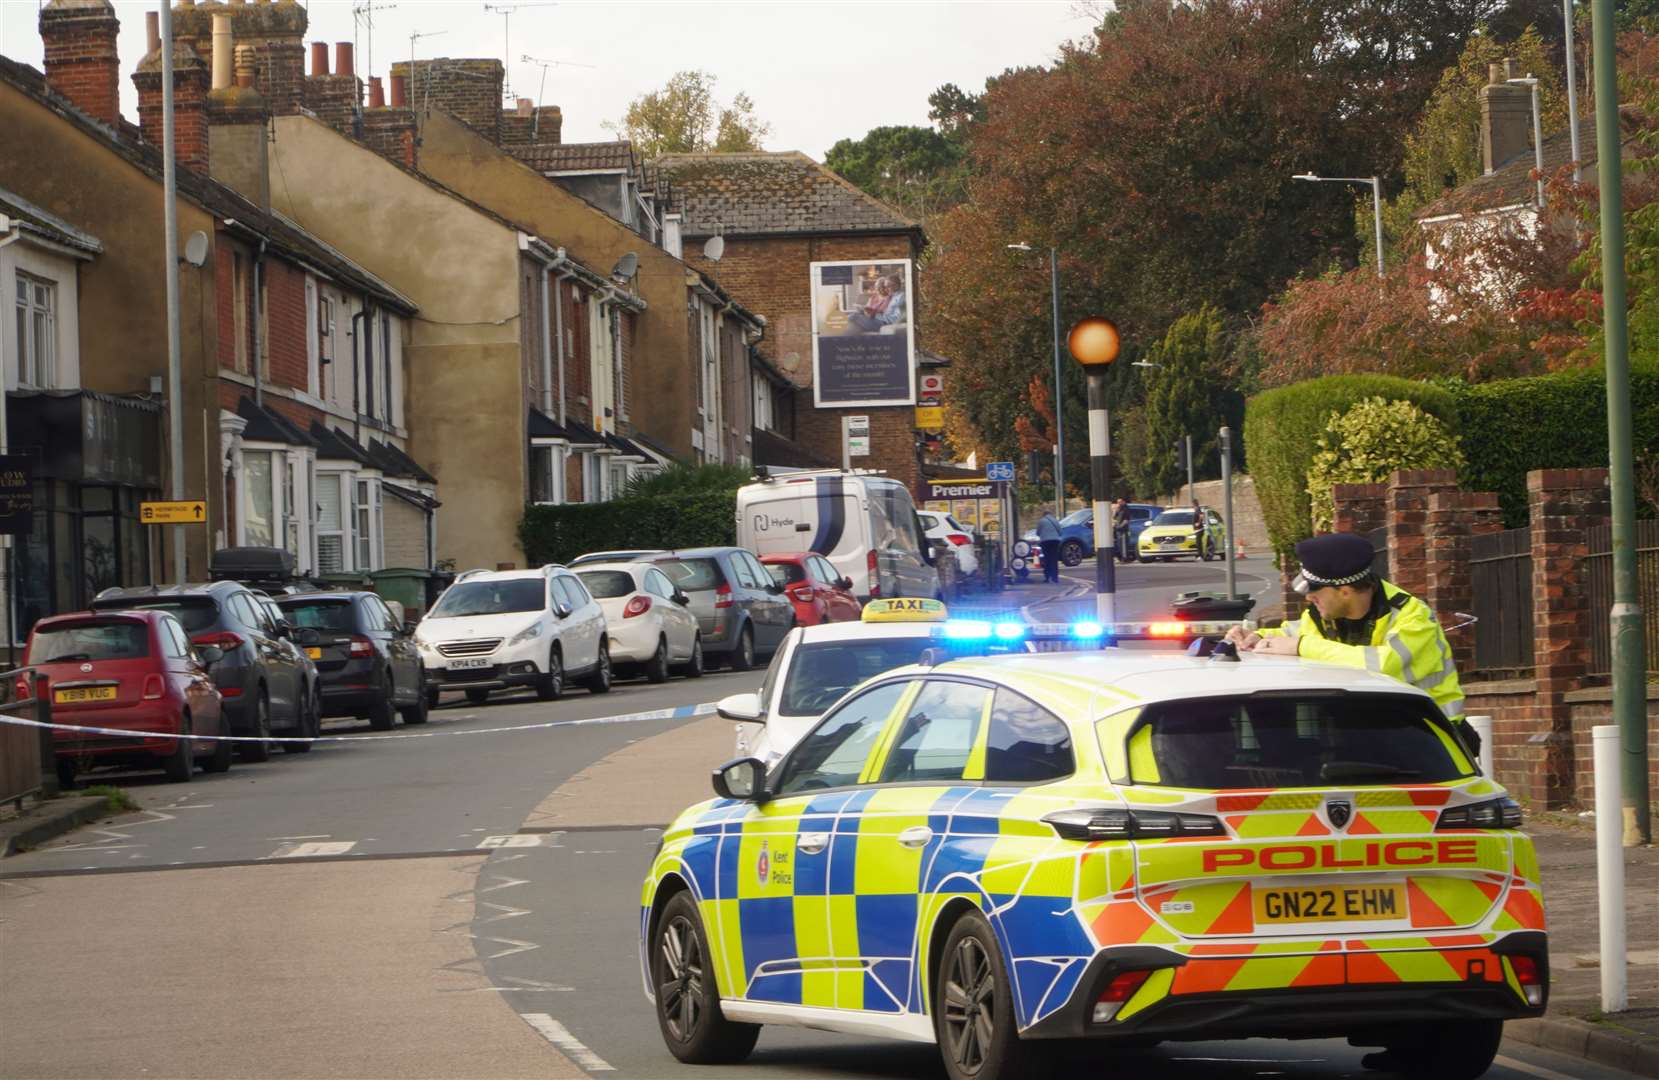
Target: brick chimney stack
274,31
1505,119
190,81
470,90
334,98
82,63
238,118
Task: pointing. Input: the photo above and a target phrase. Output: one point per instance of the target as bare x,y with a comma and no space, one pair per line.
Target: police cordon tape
679,712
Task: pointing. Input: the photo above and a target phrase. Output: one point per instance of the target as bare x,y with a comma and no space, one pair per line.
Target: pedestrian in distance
1357,619
1120,528
1048,537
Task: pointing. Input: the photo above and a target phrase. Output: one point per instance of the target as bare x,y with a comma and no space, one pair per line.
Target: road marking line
306,850
1530,1070
517,946
313,836
555,1033
514,840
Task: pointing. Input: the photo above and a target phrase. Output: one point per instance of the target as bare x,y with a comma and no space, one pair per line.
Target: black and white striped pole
1094,344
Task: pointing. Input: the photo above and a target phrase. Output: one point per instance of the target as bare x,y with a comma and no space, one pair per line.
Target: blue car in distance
1077,532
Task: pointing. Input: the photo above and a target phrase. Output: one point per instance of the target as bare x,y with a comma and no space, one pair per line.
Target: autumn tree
684,117
1158,159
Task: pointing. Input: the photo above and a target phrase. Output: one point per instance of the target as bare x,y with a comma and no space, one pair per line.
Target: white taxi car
1003,854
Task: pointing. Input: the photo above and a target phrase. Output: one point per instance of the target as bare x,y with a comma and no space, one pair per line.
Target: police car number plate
476,662
1330,903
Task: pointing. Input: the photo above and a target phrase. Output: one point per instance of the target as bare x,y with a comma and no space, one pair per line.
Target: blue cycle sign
1000,470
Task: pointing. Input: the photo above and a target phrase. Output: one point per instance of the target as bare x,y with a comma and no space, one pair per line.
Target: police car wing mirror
744,708
743,779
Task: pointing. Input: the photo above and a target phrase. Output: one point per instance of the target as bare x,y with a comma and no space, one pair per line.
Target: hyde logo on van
768,522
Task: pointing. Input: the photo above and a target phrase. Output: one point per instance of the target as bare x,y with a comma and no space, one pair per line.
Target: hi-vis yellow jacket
1405,642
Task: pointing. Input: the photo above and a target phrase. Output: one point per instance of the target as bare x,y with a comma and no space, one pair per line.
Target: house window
259,515
367,524
593,478
291,534
618,479
331,521
37,331
547,473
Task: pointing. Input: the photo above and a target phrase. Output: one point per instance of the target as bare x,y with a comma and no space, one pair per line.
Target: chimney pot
525,106
342,58
244,66
319,58
152,31
400,91
1508,68
221,51
377,93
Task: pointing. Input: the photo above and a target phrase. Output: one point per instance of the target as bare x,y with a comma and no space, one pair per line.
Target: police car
995,854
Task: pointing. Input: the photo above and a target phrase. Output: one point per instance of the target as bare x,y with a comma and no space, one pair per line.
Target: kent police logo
1339,811
763,865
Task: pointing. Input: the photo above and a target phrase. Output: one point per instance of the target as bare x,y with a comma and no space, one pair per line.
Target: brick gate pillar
1565,504
1359,507
1454,519
1408,512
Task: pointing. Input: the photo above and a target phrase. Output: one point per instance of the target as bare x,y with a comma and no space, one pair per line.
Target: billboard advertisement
863,334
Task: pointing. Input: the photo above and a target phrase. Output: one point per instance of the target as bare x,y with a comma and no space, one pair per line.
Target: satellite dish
626,267
715,248
195,248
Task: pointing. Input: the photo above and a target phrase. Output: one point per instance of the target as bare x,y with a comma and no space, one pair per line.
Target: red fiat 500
820,595
133,670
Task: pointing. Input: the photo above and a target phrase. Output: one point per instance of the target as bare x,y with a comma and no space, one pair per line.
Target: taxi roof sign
905,609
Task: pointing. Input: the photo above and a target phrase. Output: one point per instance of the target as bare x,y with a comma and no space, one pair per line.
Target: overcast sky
817,72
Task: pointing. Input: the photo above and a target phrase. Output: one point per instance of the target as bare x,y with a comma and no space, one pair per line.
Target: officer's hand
1244,639
1276,646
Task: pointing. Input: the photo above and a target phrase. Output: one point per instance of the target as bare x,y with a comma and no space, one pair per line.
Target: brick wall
190,83
287,356
771,276
469,89
81,61
1592,708
404,529
335,99
1408,506
542,126
1454,519
391,134
1519,759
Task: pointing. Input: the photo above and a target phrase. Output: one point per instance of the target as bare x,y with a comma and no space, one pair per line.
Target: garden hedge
560,533
1281,435
1556,421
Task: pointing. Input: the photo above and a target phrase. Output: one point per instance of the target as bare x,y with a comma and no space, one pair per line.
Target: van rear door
809,513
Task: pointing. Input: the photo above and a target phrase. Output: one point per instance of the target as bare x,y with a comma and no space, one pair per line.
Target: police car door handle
915,836
813,842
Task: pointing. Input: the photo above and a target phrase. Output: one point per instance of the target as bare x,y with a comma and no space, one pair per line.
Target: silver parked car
740,610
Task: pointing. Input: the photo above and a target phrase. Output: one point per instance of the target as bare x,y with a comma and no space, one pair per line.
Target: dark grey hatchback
268,684
367,661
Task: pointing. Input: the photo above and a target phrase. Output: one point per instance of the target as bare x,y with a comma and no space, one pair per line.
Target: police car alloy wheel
688,1000
973,1010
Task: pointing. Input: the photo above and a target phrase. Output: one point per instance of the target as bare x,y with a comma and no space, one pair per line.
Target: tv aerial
507,11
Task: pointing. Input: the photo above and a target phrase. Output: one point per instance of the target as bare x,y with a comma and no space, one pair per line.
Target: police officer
1355,618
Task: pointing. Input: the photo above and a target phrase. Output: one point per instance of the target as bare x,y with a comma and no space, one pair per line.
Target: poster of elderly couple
863,334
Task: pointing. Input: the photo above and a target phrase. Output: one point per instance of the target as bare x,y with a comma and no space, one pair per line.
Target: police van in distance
1003,854
864,523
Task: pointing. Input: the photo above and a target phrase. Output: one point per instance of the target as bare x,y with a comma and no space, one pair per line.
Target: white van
864,523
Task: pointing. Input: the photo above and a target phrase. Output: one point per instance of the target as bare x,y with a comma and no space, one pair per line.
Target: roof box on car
249,564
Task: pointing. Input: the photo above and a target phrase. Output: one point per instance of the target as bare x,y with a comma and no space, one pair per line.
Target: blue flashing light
967,630
1087,629
1010,631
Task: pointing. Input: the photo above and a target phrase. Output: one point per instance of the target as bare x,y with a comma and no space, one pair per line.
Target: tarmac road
459,905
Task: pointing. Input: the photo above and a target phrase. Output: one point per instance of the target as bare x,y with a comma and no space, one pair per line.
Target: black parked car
368,661
268,683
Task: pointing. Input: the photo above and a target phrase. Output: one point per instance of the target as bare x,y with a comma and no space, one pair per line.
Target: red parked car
820,595
134,670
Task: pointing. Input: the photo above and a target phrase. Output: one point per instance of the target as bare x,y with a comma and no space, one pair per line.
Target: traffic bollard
1604,739
1482,726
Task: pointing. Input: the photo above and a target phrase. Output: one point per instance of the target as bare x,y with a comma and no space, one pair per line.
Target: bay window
331,522
259,499
547,471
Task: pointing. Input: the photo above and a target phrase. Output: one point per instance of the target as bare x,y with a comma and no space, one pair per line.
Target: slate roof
337,445
286,238
47,226
268,425
394,462
758,194
576,157
1511,183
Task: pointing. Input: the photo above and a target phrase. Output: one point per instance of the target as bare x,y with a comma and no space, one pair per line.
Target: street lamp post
1059,415
1376,202
1094,343
1537,134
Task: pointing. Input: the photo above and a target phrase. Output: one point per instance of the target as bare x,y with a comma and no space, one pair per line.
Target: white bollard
1482,726
1604,740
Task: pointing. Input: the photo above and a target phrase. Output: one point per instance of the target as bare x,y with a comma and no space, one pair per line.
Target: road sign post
173,512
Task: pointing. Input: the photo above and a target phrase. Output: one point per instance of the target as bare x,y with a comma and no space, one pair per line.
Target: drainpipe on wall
559,259
356,368
559,332
260,344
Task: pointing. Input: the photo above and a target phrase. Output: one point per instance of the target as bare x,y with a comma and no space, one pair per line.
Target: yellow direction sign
930,417
187,512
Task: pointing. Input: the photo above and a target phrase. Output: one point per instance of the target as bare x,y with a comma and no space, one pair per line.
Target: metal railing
1500,570
27,765
1598,582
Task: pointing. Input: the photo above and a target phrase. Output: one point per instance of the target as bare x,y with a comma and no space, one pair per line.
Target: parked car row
1156,534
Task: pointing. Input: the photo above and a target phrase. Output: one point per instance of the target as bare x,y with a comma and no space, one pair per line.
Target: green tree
1186,394
916,170
1366,444
683,117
